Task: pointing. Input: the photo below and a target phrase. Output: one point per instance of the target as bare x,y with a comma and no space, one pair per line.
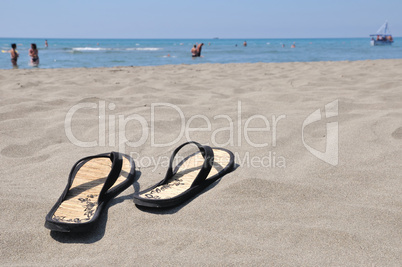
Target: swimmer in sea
293,45
46,44
194,51
14,55
34,54
245,44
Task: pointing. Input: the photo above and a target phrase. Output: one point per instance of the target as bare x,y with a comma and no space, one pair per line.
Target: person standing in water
14,55
245,44
34,54
46,44
194,51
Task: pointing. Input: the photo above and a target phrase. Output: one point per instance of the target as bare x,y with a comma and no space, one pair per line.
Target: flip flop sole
78,209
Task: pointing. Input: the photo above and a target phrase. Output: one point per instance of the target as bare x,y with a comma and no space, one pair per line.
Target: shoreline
204,64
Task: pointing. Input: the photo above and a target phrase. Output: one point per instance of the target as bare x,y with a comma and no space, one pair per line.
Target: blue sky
198,19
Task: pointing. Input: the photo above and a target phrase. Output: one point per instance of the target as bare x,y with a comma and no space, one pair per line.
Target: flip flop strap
208,155
206,167
117,164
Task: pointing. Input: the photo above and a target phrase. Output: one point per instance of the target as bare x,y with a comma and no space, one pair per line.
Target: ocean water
89,53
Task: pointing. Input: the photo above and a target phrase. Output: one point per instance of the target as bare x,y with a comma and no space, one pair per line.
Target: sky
198,19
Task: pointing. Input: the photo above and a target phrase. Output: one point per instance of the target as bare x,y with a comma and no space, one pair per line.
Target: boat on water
383,36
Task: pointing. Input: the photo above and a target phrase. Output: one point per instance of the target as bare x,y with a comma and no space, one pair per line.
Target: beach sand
298,210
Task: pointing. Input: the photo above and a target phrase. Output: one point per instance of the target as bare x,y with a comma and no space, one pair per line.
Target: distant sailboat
383,36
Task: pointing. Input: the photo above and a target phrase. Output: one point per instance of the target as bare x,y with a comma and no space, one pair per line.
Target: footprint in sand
28,150
397,134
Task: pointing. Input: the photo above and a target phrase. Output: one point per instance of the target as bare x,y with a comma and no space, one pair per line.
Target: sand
282,206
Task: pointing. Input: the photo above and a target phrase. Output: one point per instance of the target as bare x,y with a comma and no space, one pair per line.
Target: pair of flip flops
95,180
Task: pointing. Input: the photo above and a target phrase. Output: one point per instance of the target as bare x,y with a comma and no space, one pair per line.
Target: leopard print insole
186,174
81,201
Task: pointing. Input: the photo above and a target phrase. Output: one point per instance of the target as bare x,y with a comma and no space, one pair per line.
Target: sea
94,53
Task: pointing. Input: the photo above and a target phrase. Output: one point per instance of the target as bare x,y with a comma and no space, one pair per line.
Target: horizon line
192,38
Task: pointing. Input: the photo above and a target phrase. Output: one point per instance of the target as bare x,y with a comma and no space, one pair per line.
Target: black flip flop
92,182
190,177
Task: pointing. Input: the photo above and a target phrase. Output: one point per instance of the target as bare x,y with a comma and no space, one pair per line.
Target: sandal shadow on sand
92,182
192,175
